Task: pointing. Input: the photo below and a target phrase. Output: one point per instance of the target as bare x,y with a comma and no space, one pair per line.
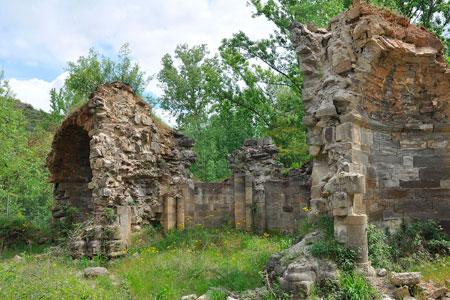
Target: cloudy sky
39,37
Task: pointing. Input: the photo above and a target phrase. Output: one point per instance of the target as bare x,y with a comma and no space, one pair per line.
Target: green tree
189,86
87,73
269,74
22,159
201,93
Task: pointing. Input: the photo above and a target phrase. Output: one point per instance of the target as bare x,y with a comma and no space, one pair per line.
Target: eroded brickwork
377,101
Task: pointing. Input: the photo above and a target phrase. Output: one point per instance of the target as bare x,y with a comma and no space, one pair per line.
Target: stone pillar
170,213
351,230
259,217
248,201
124,218
239,200
180,212
189,204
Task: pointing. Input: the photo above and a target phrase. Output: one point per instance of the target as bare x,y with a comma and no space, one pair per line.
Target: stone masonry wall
117,166
257,196
377,101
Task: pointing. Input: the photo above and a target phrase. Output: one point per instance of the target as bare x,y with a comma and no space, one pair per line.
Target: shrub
327,246
15,230
379,248
417,239
353,286
350,286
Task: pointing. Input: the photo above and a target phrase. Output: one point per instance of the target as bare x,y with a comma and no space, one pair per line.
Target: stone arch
71,173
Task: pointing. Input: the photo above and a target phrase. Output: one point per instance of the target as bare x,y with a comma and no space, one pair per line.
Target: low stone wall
287,204
256,197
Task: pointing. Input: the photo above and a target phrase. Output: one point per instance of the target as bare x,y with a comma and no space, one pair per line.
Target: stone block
432,161
435,173
437,144
386,159
413,205
408,160
314,150
391,215
407,278
309,120
326,110
419,184
405,174
412,145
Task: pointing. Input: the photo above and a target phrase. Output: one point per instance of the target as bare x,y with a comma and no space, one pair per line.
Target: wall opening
72,173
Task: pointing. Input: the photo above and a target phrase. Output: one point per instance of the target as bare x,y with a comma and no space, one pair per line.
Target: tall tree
201,93
87,73
22,160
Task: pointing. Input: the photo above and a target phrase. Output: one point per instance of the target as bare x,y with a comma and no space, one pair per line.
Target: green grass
157,266
437,270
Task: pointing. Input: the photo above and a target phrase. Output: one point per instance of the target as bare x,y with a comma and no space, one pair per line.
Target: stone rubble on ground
95,271
407,278
298,271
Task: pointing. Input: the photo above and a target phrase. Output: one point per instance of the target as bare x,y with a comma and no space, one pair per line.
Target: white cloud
48,33
35,91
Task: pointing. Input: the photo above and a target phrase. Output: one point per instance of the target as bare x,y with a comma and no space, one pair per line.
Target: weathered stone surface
298,271
95,271
401,293
379,109
408,278
112,166
431,290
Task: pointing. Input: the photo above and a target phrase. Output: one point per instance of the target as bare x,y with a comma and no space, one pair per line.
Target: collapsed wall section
256,197
377,101
117,166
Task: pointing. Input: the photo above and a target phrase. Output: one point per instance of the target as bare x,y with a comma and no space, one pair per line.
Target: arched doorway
71,173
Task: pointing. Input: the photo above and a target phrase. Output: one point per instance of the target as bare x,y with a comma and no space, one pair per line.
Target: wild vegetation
248,89
169,265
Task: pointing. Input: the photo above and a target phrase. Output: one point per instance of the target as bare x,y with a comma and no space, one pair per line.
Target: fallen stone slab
95,271
407,278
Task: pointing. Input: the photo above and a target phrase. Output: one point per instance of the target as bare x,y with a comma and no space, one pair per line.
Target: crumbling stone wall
117,166
257,196
377,101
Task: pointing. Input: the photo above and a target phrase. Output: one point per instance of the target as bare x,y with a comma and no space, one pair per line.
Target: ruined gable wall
136,165
377,101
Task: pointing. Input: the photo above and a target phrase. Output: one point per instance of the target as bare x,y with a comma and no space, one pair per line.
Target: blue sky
39,37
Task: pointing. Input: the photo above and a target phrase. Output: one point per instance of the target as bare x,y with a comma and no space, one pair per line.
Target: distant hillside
33,116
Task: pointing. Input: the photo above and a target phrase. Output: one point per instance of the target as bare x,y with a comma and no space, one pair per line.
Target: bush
327,246
379,248
350,286
15,229
417,240
353,286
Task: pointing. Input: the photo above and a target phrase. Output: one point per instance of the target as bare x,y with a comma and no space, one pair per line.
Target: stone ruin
121,169
377,101
256,197
117,166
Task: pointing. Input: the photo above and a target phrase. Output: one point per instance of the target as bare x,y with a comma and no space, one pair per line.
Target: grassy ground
168,266
156,267
437,270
